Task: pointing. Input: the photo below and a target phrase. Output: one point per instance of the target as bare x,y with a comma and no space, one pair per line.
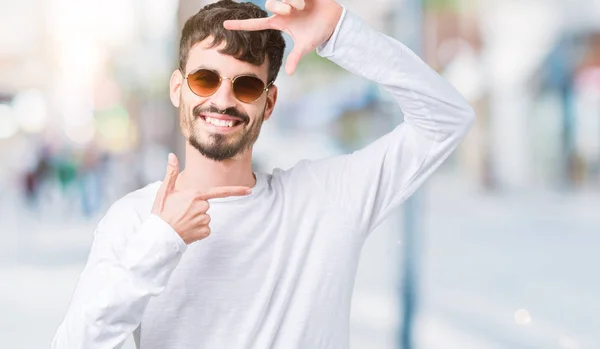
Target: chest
256,269
251,248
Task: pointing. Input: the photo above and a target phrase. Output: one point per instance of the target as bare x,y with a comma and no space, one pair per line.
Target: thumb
292,60
168,184
172,173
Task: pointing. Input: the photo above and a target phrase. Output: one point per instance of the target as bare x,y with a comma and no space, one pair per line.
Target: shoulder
122,220
299,180
297,174
132,208
312,170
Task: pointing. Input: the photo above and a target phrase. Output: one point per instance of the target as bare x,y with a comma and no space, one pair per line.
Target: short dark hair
249,46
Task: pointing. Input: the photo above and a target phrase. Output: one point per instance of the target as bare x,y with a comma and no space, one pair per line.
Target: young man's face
205,120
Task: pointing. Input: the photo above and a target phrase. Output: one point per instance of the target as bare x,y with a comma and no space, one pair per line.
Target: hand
185,211
309,22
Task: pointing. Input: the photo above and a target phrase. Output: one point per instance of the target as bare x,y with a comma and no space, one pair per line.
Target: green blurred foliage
441,4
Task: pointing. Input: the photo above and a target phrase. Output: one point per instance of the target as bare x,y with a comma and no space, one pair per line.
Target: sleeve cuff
327,48
154,251
167,232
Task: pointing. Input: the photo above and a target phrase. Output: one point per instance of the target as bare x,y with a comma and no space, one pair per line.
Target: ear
271,99
175,86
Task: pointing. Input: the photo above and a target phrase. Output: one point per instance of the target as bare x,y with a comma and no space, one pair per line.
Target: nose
224,97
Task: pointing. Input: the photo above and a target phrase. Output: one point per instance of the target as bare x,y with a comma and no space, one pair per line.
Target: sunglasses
246,88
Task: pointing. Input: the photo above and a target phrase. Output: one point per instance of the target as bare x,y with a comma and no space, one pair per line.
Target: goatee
220,147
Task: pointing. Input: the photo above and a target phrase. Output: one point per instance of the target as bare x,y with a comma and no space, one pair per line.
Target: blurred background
498,250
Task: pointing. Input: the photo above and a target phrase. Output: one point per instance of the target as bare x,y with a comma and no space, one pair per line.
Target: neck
201,173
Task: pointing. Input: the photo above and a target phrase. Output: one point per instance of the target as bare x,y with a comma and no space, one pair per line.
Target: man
275,265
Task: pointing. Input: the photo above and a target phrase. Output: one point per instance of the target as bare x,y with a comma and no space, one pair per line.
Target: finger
248,24
278,7
297,4
203,232
204,219
292,61
223,192
202,205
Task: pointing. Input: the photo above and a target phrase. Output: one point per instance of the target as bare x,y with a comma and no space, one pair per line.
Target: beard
220,146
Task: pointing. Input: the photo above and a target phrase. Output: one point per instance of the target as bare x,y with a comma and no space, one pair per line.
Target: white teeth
217,122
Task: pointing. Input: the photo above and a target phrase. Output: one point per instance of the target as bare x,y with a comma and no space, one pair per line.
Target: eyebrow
216,71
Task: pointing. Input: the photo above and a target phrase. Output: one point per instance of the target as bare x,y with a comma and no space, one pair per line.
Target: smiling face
220,126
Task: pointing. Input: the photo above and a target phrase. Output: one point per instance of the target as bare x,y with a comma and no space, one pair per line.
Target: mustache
233,112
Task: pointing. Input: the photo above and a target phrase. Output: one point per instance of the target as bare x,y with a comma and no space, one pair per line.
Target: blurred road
518,270
497,271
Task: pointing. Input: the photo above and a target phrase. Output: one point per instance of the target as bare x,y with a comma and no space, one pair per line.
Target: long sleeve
130,261
372,181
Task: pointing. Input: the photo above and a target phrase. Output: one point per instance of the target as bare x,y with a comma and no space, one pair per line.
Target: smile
221,124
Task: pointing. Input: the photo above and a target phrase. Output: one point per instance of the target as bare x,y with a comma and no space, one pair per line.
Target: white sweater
278,269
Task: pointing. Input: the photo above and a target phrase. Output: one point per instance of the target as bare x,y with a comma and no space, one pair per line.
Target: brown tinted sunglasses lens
204,82
248,88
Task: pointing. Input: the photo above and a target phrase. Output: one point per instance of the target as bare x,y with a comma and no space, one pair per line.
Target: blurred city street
482,262
500,248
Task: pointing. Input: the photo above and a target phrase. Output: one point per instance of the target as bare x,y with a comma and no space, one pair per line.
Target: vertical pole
408,28
409,275
568,146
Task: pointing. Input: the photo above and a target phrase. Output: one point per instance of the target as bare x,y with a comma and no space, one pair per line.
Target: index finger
223,192
248,24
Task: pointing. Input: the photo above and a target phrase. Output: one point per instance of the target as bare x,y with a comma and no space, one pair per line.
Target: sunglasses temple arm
269,85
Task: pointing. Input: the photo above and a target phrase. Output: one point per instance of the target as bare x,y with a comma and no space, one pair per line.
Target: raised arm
370,182
367,184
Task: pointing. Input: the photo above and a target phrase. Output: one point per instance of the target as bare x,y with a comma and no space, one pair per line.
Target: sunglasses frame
232,80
